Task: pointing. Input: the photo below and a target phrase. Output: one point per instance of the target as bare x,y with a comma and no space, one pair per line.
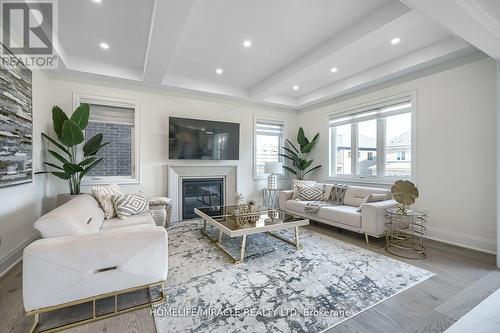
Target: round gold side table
406,233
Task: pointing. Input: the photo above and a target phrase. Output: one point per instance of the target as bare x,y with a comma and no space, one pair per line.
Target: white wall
22,204
498,162
156,107
456,147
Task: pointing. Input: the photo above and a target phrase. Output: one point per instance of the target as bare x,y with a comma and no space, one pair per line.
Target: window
268,143
117,121
343,149
380,138
398,146
367,144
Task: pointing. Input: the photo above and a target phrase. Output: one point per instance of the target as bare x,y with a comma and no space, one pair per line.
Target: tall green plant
301,166
69,133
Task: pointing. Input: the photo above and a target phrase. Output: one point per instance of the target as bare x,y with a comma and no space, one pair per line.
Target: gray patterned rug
277,289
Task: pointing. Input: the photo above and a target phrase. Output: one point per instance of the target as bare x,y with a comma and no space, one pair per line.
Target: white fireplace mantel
176,173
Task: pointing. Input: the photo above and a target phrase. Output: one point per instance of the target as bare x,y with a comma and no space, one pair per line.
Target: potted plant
301,166
252,204
75,163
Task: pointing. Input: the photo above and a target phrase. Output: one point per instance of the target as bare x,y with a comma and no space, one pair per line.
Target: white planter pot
65,197
303,182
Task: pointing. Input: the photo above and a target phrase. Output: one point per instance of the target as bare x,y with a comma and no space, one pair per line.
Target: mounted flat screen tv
197,139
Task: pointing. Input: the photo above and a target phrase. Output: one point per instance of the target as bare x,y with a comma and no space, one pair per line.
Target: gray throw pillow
130,204
297,182
311,192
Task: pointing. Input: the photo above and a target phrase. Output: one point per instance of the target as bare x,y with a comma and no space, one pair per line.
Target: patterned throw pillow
336,193
104,194
130,204
311,192
297,182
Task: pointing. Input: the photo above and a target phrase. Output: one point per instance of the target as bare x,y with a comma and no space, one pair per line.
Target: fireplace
201,192
177,173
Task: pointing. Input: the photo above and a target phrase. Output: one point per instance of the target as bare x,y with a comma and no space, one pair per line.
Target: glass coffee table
234,224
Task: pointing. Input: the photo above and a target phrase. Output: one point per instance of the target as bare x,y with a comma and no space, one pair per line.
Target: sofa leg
36,318
93,318
367,239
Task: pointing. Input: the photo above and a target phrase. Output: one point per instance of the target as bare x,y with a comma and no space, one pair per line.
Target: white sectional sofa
82,255
370,221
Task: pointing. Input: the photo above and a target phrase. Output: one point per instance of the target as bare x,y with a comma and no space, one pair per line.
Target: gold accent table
234,224
406,233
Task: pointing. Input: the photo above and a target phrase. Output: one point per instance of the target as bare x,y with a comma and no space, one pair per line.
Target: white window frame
371,104
79,98
279,121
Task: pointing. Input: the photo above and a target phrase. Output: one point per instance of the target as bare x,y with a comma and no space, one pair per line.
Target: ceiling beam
476,21
434,54
190,84
379,18
168,21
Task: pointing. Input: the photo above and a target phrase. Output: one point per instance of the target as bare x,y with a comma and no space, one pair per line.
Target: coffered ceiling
291,53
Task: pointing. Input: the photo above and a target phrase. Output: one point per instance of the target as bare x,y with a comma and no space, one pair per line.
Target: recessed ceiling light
104,46
247,43
219,71
395,41
334,69
295,87
97,1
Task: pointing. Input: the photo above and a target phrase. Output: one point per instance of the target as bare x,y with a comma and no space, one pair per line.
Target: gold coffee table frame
250,230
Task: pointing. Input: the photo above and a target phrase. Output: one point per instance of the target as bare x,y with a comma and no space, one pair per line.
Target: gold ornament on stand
405,193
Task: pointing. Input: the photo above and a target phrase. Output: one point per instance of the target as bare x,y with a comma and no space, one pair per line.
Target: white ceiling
123,24
178,44
280,31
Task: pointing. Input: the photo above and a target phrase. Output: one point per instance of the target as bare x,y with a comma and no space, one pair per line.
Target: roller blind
269,128
399,106
111,114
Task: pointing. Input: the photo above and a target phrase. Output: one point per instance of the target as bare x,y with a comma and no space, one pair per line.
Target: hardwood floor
463,279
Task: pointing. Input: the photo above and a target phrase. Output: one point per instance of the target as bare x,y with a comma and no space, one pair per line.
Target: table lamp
274,169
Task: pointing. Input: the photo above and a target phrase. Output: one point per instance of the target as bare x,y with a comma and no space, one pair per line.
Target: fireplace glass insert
201,192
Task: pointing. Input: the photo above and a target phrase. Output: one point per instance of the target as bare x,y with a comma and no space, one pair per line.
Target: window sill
109,180
365,181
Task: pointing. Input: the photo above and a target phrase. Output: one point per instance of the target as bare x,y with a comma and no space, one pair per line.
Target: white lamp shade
275,168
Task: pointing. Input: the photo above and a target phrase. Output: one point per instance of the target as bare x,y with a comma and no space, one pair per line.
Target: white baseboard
472,242
15,255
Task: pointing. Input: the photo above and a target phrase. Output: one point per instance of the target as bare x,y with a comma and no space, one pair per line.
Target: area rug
277,289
